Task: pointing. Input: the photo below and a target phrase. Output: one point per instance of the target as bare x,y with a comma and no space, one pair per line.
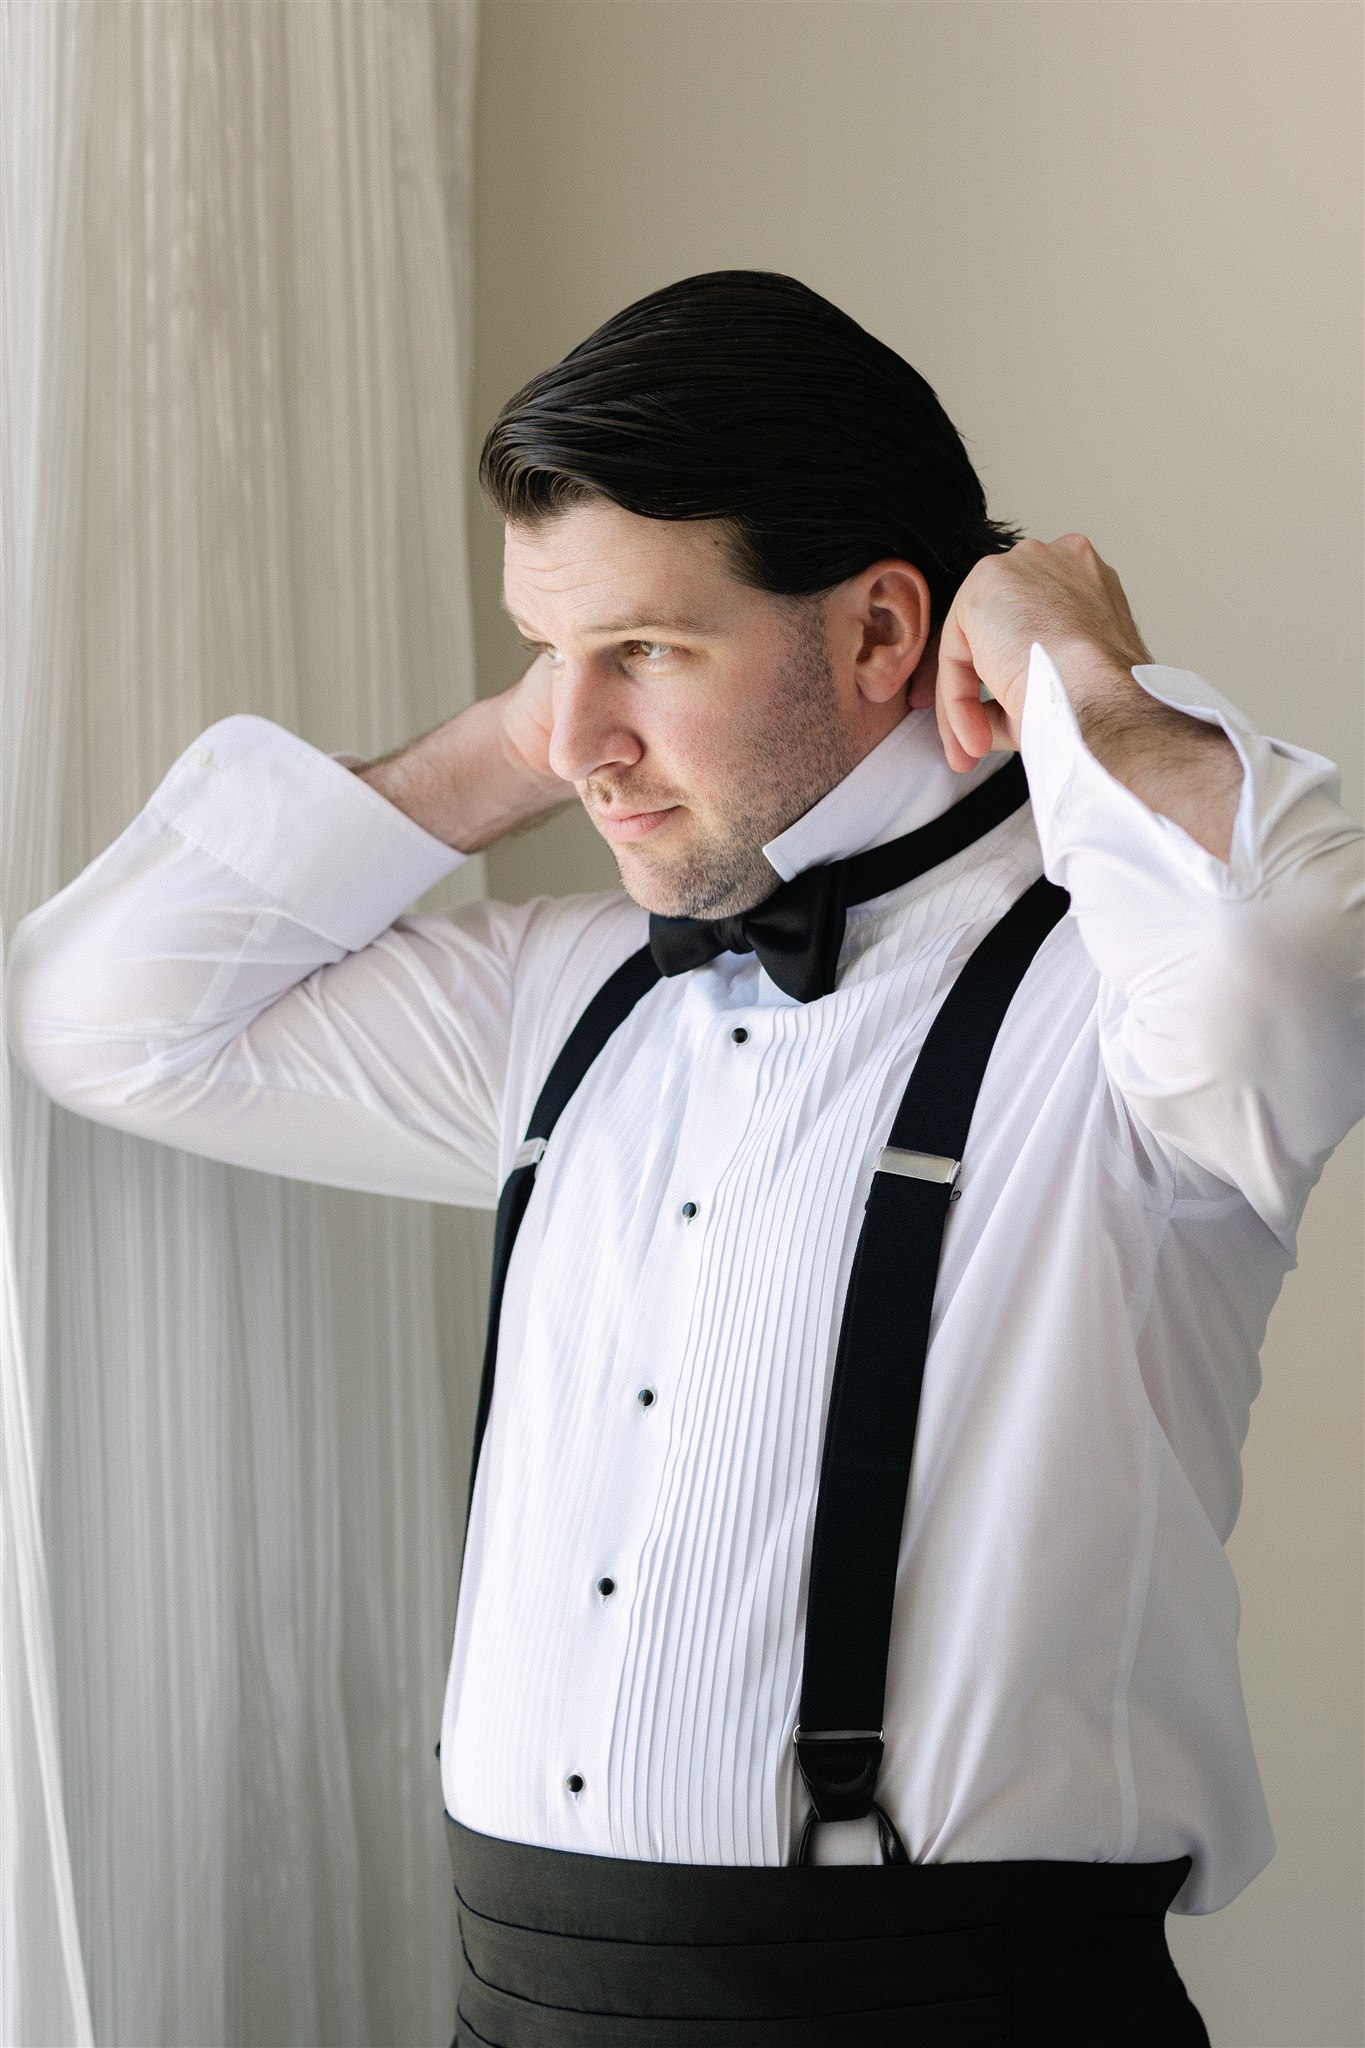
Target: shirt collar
903,783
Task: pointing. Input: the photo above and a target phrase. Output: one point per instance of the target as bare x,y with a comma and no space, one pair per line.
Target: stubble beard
788,753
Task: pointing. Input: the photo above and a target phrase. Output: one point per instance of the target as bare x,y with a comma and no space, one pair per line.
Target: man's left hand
1057,592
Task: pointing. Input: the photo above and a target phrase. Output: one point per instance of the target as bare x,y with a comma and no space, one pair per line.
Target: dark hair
743,396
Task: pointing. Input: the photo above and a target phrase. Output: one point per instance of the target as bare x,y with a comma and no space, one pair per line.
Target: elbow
1275,1020
1280,982
50,1029
35,1033
1241,1040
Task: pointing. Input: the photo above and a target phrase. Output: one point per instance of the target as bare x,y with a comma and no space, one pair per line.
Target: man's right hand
483,774
528,719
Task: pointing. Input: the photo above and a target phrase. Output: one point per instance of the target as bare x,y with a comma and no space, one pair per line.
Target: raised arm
233,975
1217,884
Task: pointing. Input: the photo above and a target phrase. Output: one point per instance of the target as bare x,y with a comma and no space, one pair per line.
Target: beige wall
1123,242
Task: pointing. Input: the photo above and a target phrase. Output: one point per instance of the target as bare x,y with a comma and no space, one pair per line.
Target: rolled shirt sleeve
233,975
1232,1005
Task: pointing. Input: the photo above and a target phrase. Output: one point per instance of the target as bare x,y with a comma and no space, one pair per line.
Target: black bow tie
798,931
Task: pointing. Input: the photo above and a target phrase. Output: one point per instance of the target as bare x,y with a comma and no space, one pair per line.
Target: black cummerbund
563,1950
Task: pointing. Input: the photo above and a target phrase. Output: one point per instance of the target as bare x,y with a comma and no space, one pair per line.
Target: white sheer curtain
234,372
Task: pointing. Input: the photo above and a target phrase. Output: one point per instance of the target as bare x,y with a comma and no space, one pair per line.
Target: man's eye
653,650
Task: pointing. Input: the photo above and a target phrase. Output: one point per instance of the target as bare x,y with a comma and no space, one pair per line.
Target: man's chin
680,889
645,885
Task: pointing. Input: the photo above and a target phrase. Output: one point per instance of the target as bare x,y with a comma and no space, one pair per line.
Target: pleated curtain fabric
235,248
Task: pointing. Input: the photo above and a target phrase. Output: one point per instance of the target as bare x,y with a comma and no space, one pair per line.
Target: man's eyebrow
678,623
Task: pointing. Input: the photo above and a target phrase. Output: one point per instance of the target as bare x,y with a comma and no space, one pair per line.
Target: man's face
696,717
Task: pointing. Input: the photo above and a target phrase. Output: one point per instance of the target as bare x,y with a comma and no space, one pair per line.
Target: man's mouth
630,824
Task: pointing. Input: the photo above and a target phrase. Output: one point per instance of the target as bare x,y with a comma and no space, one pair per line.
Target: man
893,1185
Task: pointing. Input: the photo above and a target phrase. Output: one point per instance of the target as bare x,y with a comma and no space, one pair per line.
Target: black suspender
878,1372
611,1005
879,1363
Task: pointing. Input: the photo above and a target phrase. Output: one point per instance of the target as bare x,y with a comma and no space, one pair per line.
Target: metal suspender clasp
528,1153
918,1165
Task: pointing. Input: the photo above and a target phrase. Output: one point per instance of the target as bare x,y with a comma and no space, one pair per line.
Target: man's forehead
663,617
615,575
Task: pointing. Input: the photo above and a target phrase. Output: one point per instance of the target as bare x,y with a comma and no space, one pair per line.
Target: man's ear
885,614
924,676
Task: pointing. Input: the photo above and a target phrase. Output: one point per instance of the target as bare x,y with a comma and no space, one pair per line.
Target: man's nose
587,733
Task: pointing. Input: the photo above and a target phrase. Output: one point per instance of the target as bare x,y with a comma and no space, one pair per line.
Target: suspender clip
918,1165
529,1152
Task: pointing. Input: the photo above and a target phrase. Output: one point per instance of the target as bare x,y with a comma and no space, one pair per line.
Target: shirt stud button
645,1397
739,1034
605,1586
573,1783
689,1209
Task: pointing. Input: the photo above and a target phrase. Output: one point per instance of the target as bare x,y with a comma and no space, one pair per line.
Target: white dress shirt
233,975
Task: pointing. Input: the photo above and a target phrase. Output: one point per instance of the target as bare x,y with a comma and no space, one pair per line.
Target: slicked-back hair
743,396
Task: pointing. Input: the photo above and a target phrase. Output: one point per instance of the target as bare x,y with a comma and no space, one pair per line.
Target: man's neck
902,783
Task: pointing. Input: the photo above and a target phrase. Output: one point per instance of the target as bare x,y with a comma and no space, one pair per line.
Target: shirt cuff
299,826
1077,801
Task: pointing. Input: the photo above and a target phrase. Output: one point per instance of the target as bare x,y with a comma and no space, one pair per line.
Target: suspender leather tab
840,1769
